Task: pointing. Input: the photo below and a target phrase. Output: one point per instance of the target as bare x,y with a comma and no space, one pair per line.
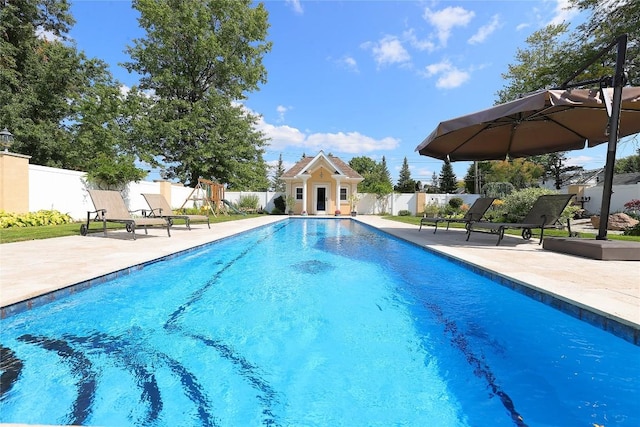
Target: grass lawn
19,234
547,232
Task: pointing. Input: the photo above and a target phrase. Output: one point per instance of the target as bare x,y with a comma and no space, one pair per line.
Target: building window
343,194
298,193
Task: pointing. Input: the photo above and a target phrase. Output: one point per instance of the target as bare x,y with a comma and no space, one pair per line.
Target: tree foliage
447,179
277,183
63,108
555,53
607,20
555,168
628,164
521,173
539,65
483,170
197,60
376,176
405,183
366,167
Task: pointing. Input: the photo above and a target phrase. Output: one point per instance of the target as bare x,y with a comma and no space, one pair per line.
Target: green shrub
280,204
431,210
632,231
33,219
456,202
519,203
404,212
499,190
202,210
248,202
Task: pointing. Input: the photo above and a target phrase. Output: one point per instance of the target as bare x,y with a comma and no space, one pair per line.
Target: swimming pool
311,322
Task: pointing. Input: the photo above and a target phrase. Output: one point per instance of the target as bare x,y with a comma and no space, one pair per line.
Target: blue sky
366,78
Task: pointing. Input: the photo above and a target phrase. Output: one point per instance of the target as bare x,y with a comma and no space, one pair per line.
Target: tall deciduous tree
63,108
198,59
606,21
366,167
537,66
628,164
521,173
554,54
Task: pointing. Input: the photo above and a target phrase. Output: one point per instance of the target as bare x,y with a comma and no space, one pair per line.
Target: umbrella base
609,250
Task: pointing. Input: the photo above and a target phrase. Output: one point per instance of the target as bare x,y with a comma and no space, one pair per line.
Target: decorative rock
617,221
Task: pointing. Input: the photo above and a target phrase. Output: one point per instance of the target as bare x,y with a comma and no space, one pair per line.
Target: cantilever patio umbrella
548,121
543,122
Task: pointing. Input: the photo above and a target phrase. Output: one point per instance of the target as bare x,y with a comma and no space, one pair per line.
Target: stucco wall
621,195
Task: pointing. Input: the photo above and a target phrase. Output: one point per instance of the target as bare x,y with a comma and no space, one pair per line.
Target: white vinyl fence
65,191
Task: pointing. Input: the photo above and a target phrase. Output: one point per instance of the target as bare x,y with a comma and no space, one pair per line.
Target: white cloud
413,40
446,19
448,76
563,12
581,160
296,6
349,63
47,35
350,142
283,136
281,109
389,50
486,30
124,90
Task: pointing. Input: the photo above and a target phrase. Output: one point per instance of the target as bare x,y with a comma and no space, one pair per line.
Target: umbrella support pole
618,81
614,121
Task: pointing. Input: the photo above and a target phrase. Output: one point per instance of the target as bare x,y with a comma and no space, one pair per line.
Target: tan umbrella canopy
548,121
543,122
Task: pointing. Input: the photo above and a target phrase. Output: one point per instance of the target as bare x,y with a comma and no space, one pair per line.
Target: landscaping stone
617,222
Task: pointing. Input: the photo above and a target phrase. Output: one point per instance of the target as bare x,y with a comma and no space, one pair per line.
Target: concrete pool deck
610,289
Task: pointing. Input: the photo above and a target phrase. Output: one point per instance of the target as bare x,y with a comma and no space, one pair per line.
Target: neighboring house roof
584,177
306,164
622,179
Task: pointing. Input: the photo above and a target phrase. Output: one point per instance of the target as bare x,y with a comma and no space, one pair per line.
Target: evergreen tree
448,179
278,184
385,176
484,169
405,183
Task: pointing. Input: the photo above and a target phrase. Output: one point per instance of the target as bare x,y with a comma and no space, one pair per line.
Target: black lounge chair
475,213
110,207
160,208
545,213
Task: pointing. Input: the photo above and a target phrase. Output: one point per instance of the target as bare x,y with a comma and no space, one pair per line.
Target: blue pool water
312,322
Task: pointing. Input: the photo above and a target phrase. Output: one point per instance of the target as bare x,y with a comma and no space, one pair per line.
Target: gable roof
306,163
622,178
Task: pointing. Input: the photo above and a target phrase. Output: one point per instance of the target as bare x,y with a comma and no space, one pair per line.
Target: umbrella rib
471,137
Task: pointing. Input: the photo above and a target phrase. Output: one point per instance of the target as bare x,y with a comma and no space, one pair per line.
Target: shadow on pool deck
610,289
